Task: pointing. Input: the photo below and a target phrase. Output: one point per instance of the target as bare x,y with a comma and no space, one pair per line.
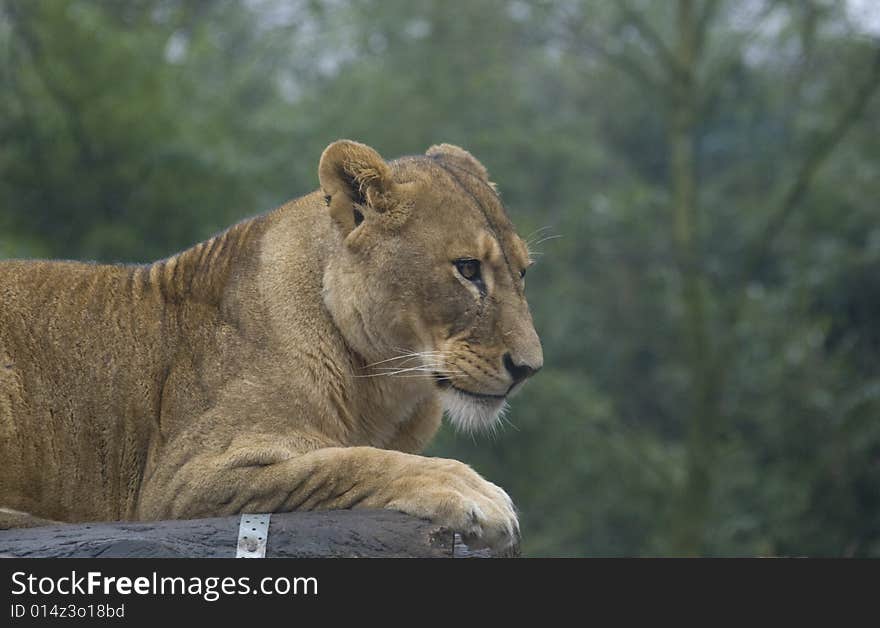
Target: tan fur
264,370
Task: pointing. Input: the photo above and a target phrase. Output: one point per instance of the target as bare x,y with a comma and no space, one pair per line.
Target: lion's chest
388,409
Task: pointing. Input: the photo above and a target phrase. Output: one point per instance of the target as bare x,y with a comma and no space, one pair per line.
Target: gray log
339,533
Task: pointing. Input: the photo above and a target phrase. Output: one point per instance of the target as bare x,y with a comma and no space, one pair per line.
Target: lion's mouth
446,384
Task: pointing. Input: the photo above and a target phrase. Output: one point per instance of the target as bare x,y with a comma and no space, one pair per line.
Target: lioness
296,361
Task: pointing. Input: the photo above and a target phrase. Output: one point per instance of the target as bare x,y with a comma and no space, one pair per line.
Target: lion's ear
354,177
458,157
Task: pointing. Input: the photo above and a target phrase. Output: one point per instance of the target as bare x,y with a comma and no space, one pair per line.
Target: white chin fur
471,414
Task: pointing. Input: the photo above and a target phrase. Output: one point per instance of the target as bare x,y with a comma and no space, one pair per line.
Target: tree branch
822,149
656,42
706,15
717,73
575,32
815,158
622,62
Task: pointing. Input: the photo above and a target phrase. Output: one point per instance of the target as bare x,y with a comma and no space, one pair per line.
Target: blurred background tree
698,179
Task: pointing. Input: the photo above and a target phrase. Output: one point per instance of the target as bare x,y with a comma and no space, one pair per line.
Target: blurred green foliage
699,180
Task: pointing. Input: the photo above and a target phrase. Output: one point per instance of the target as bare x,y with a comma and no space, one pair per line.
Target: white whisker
545,238
400,357
535,234
427,367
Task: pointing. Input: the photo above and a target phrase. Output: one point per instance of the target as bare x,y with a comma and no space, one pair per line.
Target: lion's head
431,280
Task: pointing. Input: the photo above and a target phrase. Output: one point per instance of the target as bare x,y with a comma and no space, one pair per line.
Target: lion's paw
453,495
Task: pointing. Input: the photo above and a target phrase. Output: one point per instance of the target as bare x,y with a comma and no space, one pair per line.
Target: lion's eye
468,268
522,274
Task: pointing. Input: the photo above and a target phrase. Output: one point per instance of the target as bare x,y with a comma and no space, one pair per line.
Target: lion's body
223,379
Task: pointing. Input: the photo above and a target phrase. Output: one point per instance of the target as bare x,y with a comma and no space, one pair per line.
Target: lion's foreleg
445,491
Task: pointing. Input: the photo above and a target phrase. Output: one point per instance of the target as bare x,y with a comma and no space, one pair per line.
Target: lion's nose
518,372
